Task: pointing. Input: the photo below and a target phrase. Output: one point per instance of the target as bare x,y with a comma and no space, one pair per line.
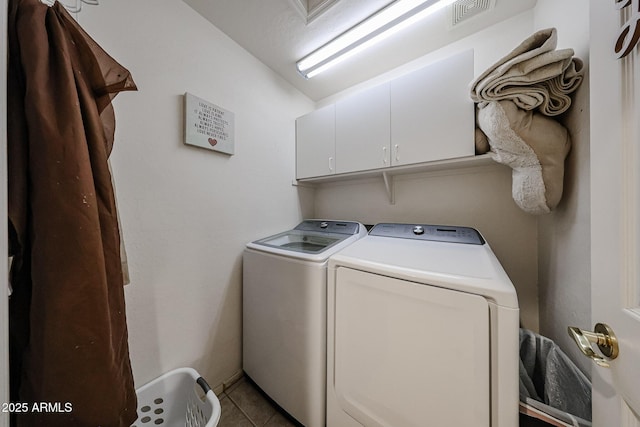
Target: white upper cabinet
432,114
363,131
421,117
315,143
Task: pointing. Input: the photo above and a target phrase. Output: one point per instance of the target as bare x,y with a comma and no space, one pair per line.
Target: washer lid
313,240
302,241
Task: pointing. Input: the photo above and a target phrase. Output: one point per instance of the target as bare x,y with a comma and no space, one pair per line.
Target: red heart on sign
213,141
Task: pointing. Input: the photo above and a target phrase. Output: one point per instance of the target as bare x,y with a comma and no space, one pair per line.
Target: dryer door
409,354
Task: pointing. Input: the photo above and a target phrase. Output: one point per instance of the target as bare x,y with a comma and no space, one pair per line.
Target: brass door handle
602,336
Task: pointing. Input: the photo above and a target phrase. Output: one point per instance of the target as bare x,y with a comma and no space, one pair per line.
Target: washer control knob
418,230
324,225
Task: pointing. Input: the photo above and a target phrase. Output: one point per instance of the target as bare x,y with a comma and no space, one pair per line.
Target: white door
615,211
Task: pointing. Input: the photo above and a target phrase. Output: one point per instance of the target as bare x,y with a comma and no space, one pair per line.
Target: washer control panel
341,227
437,233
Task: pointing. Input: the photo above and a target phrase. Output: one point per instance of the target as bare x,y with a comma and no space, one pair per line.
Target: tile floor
244,405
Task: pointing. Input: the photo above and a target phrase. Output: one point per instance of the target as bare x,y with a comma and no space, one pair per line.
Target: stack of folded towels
517,98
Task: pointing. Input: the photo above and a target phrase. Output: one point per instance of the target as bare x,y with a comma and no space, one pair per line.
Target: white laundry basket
178,398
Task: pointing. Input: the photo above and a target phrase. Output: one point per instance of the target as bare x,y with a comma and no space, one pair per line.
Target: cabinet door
315,143
363,130
432,115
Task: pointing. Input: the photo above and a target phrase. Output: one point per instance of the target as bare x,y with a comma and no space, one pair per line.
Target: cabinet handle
331,164
397,148
384,155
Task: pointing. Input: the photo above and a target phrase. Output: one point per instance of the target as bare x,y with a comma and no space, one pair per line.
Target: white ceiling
278,33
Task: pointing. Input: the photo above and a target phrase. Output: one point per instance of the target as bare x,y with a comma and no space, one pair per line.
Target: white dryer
284,314
422,331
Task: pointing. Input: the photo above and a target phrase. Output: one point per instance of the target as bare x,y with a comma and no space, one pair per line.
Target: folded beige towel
515,96
533,75
534,146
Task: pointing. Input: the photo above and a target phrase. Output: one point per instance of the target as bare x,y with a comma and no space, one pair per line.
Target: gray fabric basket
551,383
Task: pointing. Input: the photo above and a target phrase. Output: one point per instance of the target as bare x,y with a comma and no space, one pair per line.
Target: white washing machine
422,330
284,314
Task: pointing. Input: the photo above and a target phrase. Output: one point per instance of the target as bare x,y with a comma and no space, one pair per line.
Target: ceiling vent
463,10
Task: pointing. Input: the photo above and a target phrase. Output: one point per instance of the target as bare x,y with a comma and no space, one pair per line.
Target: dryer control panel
341,227
437,233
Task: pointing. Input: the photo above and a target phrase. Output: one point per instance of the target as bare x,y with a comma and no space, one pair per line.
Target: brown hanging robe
68,333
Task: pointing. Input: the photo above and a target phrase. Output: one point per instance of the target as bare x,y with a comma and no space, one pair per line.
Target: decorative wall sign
629,34
207,125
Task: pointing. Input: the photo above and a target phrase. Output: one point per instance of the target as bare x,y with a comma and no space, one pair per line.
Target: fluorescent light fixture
398,15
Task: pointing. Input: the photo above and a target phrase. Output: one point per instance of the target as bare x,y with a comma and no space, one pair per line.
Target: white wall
565,238
478,197
187,212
